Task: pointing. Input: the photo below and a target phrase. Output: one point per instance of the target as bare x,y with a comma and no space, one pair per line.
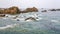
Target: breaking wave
8,26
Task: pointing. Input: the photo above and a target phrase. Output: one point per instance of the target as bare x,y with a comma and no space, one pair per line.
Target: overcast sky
30,3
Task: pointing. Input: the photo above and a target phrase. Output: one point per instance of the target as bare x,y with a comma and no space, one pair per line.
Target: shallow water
48,23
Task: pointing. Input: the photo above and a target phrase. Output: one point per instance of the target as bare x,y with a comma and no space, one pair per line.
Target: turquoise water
49,24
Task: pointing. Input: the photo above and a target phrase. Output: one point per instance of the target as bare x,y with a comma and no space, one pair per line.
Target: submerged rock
30,19
52,9
57,9
18,20
44,11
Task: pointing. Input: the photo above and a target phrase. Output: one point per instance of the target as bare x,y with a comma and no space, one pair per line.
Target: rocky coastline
15,10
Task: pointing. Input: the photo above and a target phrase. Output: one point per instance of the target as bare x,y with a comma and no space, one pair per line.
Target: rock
37,18
52,9
11,10
6,16
2,15
15,10
57,9
44,11
30,18
18,20
30,10
1,11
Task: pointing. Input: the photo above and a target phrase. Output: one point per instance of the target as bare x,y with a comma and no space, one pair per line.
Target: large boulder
12,10
30,10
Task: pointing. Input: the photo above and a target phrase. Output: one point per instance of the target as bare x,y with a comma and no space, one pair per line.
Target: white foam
35,15
8,26
54,20
4,18
31,16
20,19
29,20
36,19
39,19
10,15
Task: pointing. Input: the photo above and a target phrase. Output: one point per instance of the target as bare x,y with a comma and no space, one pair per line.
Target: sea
47,23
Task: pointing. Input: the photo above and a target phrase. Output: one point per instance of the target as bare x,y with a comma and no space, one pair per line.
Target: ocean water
47,23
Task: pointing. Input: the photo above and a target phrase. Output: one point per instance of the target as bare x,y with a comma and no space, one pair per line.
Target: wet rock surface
2,15
30,18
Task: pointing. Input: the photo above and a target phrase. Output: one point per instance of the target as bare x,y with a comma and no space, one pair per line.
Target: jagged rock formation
16,10
11,10
30,10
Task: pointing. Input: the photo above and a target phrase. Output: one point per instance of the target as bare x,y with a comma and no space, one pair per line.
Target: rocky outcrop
1,11
11,10
16,10
30,10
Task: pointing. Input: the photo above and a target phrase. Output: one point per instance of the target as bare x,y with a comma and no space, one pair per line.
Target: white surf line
20,19
54,21
33,20
29,20
8,26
